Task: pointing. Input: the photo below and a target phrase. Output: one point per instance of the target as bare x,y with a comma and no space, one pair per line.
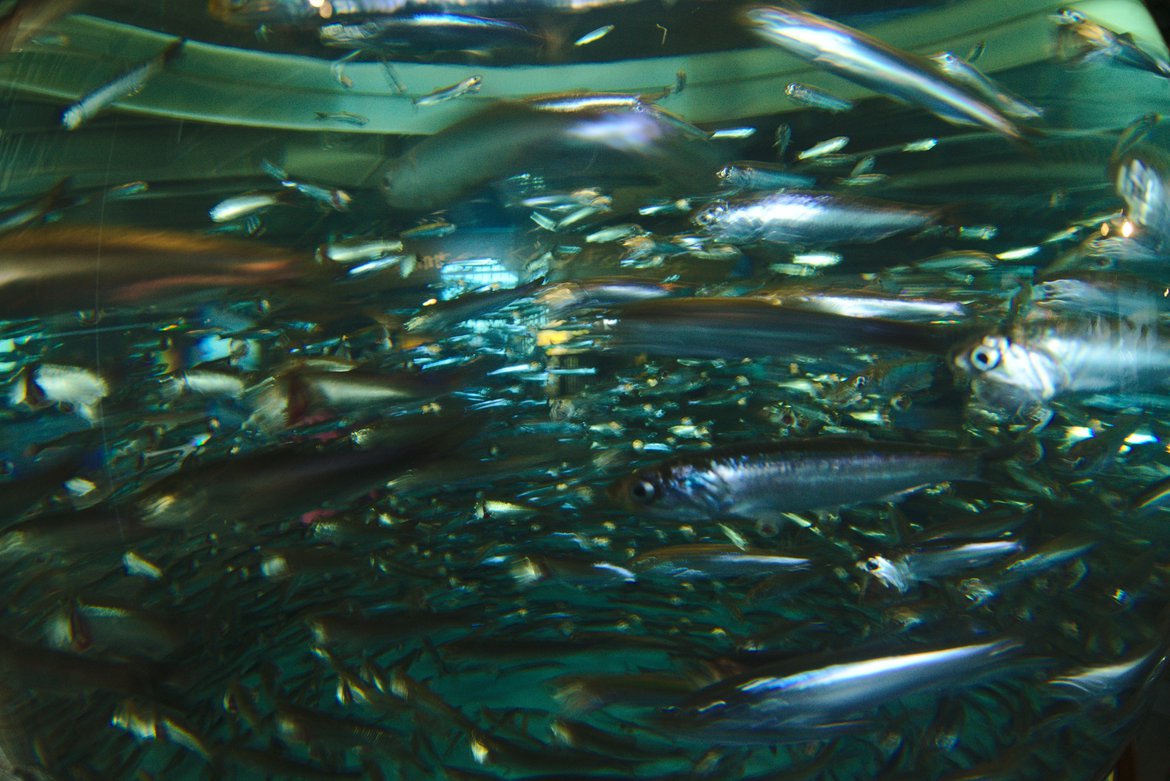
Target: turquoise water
320,440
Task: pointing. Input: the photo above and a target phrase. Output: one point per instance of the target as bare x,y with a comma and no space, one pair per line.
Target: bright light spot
1104,229
316,3
1127,229
1077,433
817,259
1140,439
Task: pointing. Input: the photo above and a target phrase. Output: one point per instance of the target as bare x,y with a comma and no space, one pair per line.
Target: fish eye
711,214
871,565
860,381
984,358
643,491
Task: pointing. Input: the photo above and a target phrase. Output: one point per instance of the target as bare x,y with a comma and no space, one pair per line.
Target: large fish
762,481
303,13
865,60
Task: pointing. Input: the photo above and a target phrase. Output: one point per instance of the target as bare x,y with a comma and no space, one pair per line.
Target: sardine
809,219
126,85
865,60
1035,363
468,86
1082,40
762,481
962,71
815,98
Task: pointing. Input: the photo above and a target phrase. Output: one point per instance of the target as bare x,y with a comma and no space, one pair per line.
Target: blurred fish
300,13
468,86
865,60
762,481
124,86
815,98
966,73
429,32
1082,40
55,269
1035,363
923,564
702,561
809,219
25,19
796,700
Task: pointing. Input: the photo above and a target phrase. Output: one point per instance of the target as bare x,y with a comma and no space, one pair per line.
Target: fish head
679,492
1007,374
945,60
710,217
889,573
796,31
1068,16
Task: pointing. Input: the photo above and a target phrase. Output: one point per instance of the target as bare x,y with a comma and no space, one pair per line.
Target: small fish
996,94
1082,40
824,148
762,481
77,388
329,197
126,85
26,18
594,35
346,117
357,250
699,562
733,133
38,209
238,206
468,86
815,98
800,699
762,176
927,563
783,137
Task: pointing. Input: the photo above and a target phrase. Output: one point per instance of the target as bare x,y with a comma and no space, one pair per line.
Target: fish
240,206
39,209
508,138
966,73
468,86
799,699
809,219
703,561
763,480
430,32
818,99
923,564
53,269
305,13
865,60
1034,364
756,177
25,19
1081,40
121,87
594,35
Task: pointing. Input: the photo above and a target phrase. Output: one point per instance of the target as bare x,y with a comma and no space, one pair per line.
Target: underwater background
569,389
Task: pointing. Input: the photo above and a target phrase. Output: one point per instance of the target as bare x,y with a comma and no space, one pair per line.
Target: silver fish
124,86
809,219
1036,363
789,702
919,565
962,71
1082,40
815,98
761,481
865,60
468,86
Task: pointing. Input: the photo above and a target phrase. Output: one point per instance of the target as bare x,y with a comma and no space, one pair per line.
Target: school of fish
583,441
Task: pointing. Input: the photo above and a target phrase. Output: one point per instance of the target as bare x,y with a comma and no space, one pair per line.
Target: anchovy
795,700
923,564
809,219
815,98
429,31
761,481
715,561
594,35
1038,362
1093,42
238,206
751,176
301,13
468,86
962,71
124,86
865,60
